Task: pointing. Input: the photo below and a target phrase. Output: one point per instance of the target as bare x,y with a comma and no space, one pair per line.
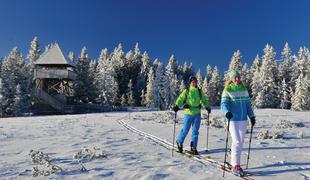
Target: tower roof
54,56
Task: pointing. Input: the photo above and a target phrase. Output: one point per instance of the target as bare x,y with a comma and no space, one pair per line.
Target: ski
207,160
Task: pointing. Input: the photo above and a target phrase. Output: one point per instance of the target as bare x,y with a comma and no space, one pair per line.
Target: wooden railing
54,74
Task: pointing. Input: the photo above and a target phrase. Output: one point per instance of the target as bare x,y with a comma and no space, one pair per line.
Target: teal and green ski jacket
193,100
235,99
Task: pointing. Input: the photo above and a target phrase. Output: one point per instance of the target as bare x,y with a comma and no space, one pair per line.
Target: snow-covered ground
115,152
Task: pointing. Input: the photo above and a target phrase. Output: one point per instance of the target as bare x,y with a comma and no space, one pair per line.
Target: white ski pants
237,131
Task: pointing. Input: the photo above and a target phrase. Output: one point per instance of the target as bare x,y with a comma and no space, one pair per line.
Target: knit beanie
233,74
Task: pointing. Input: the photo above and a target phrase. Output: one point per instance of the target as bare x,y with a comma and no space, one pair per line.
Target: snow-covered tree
33,54
93,93
123,100
300,98
181,87
268,95
301,65
205,87
83,84
2,99
130,98
246,76
208,73
71,56
102,78
235,64
142,98
155,64
137,54
19,107
171,79
159,88
285,67
199,79
115,92
188,71
284,95
214,88
13,72
149,88
255,80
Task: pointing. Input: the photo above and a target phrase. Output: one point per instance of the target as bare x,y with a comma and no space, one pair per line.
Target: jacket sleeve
204,100
181,98
225,102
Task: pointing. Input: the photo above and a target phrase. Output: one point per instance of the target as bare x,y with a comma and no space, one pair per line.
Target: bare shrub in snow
89,154
216,122
166,117
277,135
300,134
263,135
45,167
284,124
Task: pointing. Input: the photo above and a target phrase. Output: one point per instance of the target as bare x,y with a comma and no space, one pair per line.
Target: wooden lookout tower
54,77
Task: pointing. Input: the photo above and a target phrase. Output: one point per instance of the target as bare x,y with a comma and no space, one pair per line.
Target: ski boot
237,170
180,147
194,150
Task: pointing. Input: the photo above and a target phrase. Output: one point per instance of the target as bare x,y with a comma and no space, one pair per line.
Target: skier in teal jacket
236,106
191,99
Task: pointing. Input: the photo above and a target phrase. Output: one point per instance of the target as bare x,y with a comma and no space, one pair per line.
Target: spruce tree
300,99
235,64
285,100
2,98
268,95
255,80
285,67
130,98
215,87
83,83
149,88
208,73
199,79
159,88
13,72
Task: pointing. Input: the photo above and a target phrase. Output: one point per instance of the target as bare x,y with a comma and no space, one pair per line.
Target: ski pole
175,120
247,163
208,121
226,146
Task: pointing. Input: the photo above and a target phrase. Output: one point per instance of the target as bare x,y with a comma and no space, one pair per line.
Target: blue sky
201,31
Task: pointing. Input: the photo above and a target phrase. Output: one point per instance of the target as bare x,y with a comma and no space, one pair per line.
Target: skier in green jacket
191,99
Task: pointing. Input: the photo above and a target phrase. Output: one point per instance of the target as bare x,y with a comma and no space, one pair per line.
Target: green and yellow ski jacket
192,98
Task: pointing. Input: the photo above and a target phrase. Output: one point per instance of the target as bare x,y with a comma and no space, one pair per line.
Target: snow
118,153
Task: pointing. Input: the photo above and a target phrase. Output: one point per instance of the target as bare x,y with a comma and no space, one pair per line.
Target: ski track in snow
130,156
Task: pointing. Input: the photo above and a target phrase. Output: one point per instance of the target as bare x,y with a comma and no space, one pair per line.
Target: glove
252,120
228,115
208,110
176,108
186,106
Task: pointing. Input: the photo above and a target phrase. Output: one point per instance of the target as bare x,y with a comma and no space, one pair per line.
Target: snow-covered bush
301,134
89,154
166,117
277,135
263,135
283,124
43,162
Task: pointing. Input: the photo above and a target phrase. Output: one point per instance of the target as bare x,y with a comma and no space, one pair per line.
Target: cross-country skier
236,106
191,99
